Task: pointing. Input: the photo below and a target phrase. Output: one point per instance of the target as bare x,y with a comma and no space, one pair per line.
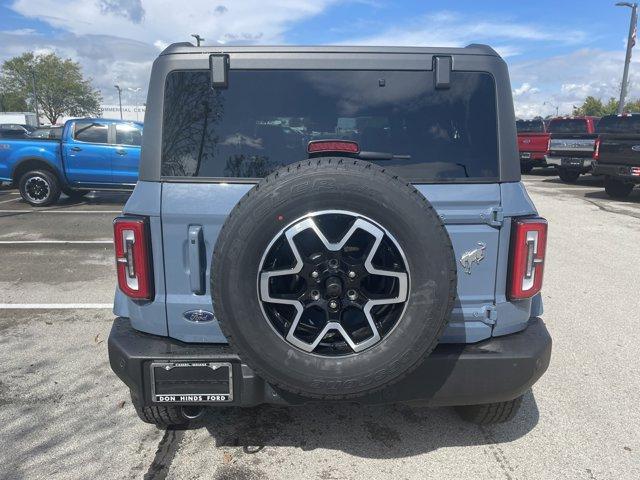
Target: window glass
128,134
568,125
530,126
91,132
622,124
266,118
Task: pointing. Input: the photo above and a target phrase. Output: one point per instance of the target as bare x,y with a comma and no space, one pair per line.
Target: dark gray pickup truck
618,153
329,224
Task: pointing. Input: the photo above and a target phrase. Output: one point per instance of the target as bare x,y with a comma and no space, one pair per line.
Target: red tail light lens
596,151
133,257
528,248
548,144
328,146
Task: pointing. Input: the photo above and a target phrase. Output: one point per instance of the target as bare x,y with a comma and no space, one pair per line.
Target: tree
61,88
12,102
594,106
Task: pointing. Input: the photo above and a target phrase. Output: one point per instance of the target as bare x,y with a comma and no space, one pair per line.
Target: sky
558,52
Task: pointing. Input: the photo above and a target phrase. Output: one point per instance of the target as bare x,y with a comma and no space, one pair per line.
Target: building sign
129,112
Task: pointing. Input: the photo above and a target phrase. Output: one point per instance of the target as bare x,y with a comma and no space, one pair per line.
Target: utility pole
631,41
198,38
119,98
552,105
35,96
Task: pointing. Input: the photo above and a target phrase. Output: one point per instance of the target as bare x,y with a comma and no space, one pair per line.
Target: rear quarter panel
14,152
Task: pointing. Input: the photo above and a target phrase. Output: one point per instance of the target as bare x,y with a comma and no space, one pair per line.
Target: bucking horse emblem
470,257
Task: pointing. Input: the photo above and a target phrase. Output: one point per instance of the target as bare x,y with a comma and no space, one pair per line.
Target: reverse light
133,257
333,146
528,248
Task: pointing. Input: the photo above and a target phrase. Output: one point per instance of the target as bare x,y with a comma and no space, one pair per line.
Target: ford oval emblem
526,140
199,316
636,148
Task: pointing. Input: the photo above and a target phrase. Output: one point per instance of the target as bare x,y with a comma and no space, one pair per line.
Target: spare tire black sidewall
367,191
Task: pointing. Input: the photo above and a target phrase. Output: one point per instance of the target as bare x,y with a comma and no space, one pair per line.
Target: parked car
92,154
255,266
54,132
15,130
533,141
618,153
572,146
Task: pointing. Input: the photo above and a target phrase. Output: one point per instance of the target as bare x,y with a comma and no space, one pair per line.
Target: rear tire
616,188
39,188
568,176
490,413
160,416
526,168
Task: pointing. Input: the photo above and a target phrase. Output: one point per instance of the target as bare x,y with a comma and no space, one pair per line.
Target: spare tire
333,278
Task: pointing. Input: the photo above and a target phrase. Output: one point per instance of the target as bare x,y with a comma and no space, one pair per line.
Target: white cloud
525,88
167,21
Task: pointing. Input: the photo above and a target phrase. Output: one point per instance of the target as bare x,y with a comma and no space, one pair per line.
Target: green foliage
595,107
12,102
61,88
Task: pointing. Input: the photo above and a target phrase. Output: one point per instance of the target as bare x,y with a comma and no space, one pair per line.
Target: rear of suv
329,224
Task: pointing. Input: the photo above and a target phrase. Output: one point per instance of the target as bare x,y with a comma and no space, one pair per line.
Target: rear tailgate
533,142
620,149
572,145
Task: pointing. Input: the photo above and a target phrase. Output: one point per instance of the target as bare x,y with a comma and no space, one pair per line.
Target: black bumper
621,172
497,369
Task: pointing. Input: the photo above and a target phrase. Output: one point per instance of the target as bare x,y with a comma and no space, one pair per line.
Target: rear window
530,126
568,125
616,124
265,119
91,132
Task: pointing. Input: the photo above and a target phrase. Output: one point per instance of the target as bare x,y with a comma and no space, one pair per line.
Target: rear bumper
537,158
570,163
497,369
621,172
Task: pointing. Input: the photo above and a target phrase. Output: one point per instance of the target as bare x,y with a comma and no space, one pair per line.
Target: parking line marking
17,242
54,306
10,200
60,211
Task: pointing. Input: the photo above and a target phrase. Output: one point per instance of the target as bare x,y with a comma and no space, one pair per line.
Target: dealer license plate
191,382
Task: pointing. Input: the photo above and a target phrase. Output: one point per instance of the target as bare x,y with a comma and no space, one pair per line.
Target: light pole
552,105
119,98
135,90
631,41
198,38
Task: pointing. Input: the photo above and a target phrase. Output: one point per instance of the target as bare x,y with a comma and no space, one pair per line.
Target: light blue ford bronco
329,224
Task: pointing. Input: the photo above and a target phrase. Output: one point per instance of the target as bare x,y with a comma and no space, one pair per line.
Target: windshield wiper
382,156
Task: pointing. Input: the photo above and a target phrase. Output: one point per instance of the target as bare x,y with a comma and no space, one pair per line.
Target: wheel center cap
333,286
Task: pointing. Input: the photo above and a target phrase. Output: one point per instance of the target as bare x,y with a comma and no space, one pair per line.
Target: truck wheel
616,188
333,278
490,413
161,416
568,176
526,168
39,188
74,194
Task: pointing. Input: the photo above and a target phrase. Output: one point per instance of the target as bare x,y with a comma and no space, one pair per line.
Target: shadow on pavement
380,432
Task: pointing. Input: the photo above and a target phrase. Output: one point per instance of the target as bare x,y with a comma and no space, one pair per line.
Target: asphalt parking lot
63,414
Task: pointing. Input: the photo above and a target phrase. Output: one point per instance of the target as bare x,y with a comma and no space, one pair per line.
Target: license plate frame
225,396
572,162
525,155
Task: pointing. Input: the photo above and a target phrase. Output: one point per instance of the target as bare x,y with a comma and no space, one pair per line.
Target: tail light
133,257
548,144
596,151
528,248
333,146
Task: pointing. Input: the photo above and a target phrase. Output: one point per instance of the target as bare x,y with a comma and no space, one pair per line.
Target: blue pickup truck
93,154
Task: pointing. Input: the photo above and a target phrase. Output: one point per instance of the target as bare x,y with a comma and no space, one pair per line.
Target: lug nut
315,294
314,274
352,295
333,304
352,274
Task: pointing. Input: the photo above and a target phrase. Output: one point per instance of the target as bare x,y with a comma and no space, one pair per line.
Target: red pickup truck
533,140
572,145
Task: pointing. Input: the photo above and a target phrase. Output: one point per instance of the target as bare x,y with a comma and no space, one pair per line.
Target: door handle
121,152
75,149
197,267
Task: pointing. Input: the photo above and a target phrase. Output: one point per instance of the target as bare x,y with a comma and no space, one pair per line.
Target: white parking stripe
53,306
10,200
17,242
60,211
